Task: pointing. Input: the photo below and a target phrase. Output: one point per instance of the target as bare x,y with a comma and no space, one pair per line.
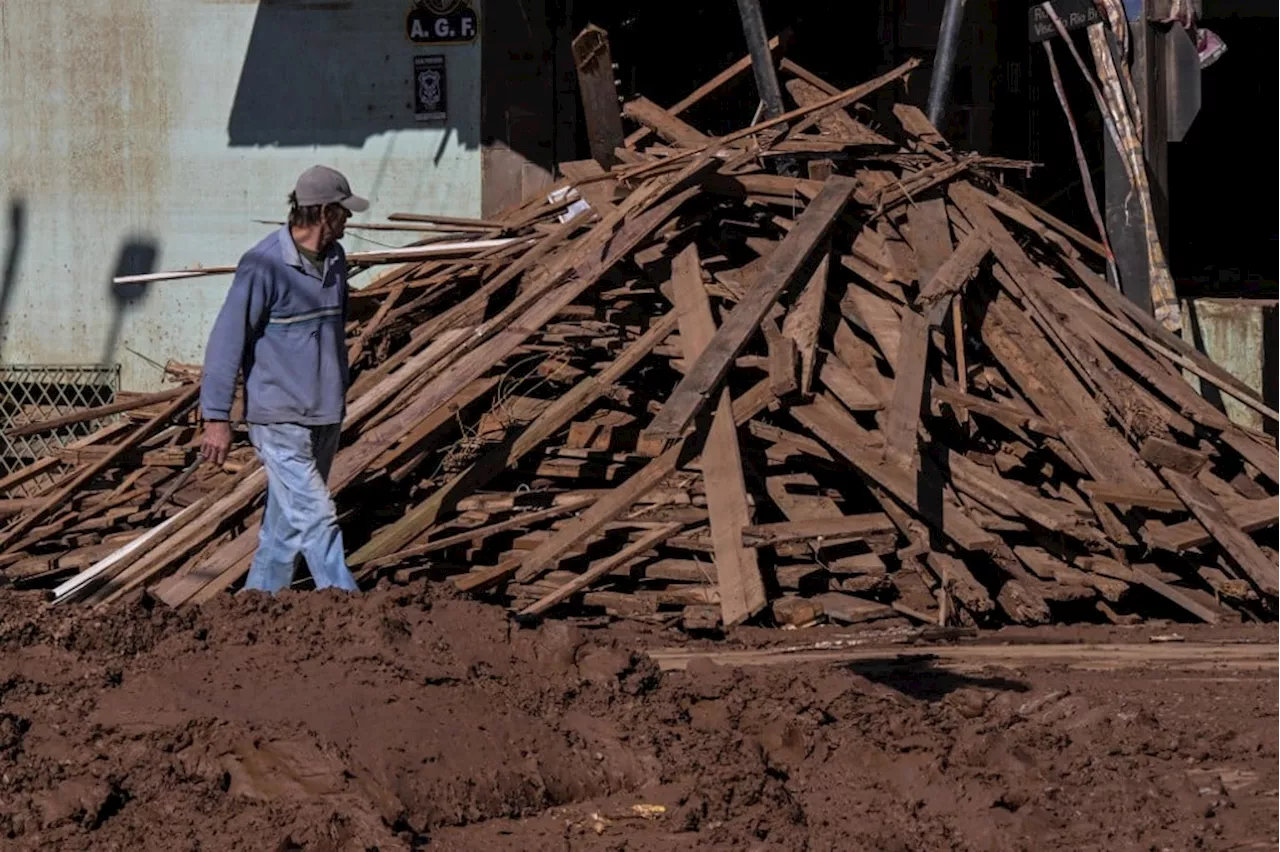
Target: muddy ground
404,719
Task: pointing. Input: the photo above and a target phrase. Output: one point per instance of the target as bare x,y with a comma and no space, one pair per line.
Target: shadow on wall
137,257
338,73
17,227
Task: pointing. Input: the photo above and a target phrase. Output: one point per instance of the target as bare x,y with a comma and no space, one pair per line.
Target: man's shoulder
265,255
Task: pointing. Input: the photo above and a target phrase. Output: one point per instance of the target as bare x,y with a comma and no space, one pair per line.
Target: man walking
282,325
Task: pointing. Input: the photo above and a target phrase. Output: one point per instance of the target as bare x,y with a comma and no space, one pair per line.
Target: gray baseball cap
323,185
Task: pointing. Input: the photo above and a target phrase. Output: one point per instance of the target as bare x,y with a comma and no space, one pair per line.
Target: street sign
1074,14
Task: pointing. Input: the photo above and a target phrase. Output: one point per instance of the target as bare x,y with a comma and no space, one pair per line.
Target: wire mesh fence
33,392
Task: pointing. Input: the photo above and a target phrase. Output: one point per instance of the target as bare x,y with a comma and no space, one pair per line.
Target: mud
402,719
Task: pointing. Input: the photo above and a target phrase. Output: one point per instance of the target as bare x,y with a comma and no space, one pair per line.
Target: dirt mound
399,719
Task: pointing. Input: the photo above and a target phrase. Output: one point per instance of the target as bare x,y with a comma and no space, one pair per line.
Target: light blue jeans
300,518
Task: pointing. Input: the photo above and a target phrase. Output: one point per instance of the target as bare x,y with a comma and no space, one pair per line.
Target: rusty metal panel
138,135
1240,335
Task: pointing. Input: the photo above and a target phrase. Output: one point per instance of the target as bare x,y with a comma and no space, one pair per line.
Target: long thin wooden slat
86,414
1240,547
646,542
611,505
779,271
183,586
877,316
742,592
837,101
676,131
53,501
804,321
73,587
844,527
1246,516
951,277
48,463
399,534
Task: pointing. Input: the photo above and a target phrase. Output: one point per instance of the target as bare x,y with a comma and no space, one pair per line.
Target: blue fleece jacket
283,326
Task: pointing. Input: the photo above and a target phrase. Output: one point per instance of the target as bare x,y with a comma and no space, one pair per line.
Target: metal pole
944,61
761,57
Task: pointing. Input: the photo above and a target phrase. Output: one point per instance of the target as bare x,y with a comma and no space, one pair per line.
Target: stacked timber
688,390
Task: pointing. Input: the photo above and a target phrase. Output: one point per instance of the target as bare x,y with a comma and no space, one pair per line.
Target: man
282,326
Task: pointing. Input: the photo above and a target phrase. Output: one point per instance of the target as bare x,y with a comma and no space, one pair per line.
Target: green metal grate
30,392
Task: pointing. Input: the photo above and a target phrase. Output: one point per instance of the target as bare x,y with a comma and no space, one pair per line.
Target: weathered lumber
780,270
594,63
669,127
1240,547
843,527
742,592
1248,516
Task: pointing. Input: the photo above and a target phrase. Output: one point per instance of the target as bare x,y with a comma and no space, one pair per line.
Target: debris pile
688,390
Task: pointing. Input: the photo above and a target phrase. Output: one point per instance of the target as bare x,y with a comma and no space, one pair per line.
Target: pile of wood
690,390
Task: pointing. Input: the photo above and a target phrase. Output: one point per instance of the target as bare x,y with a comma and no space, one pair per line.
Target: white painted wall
176,123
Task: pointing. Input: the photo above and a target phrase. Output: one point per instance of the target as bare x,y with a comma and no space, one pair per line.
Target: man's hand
217,441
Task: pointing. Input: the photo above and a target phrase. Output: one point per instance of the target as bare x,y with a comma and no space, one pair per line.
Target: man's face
335,223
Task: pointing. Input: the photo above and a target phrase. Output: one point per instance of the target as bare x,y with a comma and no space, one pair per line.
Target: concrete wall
138,135
1240,335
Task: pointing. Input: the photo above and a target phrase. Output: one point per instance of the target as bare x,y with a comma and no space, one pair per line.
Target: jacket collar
289,253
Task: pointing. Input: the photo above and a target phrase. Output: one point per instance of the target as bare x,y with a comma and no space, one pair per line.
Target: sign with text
441,22
430,94
1074,14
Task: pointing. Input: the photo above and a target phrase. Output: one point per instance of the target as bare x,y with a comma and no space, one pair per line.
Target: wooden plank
1239,546
1151,498
804,321
1247,516
782,360
742,592
902,415
644,111
600,569
86,414
930,238
480,533
844,385
918,125
931,241
779,271
951,277
594,62
878,317
845,527
610,505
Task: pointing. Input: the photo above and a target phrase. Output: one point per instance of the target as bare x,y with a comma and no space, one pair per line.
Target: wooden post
594,61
